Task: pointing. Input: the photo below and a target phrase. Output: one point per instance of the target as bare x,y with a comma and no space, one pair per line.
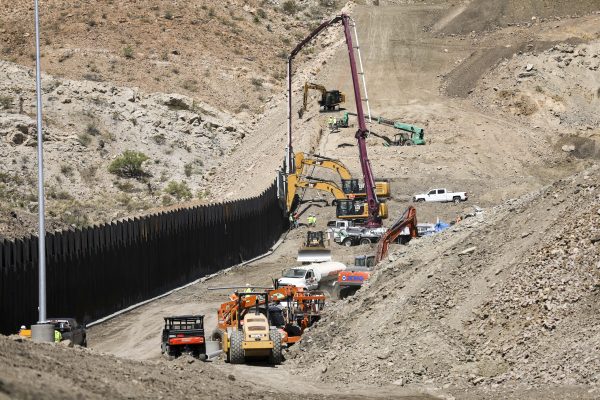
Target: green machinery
410,135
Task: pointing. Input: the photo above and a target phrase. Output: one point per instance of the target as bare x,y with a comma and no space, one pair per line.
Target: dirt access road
136,335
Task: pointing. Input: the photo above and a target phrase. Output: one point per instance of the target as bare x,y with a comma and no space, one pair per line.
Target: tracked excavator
330,99
359,213
370,212
407,220
350,186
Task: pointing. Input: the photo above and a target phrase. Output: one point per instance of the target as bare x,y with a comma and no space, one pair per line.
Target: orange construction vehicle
258,323
352,279
407,220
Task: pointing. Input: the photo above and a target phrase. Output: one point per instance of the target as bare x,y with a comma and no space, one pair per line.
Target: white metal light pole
40,332
40,147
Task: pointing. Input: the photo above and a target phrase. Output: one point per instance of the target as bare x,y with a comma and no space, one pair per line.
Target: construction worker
330,122
292,224
296,218
57,336
334,122
248,288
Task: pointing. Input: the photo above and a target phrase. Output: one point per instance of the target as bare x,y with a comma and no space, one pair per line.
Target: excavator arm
293,54
322,185
408,219
349,184
307,87
296,181
320,161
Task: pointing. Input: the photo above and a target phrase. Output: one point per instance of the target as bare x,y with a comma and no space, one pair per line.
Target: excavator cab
352,187
357,210
418,137
330,99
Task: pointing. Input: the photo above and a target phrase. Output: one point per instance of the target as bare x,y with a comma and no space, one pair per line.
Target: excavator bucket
313,255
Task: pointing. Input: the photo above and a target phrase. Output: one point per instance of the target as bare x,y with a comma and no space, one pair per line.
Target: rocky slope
229,54
557,90
153,77
508,298
87,126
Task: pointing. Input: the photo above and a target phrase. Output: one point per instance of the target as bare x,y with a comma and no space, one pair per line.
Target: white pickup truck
442,195
311,276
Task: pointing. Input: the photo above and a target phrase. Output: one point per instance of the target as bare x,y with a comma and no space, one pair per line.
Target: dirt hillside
229,53
506,298
208,71
483,15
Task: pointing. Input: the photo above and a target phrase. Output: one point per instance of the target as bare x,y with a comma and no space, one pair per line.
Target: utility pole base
42,333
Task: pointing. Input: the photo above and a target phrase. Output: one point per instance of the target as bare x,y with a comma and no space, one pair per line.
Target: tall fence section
94,272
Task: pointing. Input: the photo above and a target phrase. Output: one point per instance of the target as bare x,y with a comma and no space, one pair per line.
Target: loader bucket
309,255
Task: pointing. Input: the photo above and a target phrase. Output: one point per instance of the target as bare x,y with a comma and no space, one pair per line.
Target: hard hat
247,284
23,327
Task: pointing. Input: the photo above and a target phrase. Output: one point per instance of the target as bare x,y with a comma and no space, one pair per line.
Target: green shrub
179,190
128,52
188,169
201,194
66,170
84,139
167,200
129,165
289,7
6,102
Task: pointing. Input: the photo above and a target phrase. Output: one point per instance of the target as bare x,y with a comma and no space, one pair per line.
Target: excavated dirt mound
507,298
50,371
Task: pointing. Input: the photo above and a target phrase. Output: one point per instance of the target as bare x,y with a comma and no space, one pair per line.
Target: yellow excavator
346,206
330,99
350,186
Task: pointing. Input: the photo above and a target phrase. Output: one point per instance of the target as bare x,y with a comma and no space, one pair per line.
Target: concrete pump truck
369,210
